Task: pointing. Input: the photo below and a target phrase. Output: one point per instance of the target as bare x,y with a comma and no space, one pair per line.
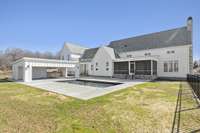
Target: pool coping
82,92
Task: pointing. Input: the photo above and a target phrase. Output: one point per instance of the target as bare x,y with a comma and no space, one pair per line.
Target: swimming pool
99,84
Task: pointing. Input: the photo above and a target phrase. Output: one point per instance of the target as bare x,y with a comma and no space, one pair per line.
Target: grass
189,111
144,108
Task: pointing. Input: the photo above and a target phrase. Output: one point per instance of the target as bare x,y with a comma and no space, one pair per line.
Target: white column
129,67
151,67
77,73
112,69
27,70
134,67
65,72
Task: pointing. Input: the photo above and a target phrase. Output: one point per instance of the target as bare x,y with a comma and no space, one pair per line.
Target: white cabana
28,68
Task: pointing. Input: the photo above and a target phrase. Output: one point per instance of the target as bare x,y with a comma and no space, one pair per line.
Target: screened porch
140,67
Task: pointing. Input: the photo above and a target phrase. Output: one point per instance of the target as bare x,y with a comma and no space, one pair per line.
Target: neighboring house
71,52
165,54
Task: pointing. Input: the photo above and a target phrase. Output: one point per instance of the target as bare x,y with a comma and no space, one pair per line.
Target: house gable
102,62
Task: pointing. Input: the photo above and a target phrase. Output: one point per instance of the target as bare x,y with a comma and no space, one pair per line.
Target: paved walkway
79,91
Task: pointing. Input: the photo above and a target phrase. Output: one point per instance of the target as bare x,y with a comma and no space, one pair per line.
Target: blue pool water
99,84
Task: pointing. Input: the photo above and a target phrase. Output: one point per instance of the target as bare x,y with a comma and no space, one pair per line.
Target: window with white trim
171,66
165,66
68,57
129,56
171,52
176,66
147,54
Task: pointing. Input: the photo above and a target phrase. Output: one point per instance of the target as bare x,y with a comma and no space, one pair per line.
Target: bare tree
12,54
195,65
47,55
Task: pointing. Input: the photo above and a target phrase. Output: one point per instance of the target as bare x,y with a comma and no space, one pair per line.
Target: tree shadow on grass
185,94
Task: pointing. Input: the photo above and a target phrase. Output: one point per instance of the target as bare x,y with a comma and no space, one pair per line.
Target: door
132,68
85,70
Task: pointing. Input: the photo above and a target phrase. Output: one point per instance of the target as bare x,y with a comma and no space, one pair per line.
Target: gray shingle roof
175,37
88,54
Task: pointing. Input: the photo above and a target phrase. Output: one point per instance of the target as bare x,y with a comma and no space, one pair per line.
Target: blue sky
43,25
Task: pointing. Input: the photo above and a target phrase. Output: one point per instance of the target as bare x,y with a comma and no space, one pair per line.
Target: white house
166,54
71,52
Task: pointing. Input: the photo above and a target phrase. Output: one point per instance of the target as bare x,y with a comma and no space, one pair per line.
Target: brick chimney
189,23
189,28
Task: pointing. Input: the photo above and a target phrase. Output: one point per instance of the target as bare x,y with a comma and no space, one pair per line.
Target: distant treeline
12,54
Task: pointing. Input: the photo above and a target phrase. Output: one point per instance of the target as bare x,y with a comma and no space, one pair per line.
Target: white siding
181,54
36,68
65,54
101,58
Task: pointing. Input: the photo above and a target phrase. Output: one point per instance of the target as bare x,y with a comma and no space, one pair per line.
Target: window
62,57
92,67
147,54
96,64
171,52
165,67
97,69
107,63
129,56
176,66
170,66
68,57
107,69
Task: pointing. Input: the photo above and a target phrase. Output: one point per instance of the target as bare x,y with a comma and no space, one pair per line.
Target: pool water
99,84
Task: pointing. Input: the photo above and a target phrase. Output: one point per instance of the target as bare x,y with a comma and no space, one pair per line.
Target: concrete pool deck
79,91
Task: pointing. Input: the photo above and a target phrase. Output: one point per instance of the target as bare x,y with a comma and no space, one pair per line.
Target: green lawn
145,108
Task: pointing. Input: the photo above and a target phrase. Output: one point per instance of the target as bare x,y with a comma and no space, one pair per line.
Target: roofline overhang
141,58
27,59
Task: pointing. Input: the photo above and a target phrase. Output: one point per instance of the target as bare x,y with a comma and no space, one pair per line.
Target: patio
79,91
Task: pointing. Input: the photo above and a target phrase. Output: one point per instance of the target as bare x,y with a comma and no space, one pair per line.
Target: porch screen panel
120,67
132,69
143,67
154,67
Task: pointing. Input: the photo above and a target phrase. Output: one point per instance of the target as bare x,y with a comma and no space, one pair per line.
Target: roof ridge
147,34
